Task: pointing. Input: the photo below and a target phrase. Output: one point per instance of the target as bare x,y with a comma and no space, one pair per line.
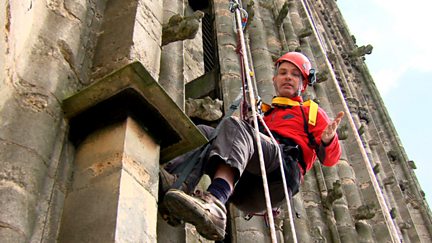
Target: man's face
287,80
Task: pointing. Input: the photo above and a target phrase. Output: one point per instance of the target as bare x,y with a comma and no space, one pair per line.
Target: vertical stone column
114,192
252,230
132,31
261,44
228,58
119,125
171,69
288,32
301,221
312,202
43,50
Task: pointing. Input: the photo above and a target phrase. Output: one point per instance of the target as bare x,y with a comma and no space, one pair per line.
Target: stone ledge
131,91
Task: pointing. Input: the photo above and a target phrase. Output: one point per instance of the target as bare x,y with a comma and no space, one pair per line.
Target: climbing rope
235,7
287,196
377,189
241,20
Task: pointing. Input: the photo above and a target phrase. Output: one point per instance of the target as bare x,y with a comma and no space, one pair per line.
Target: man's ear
274,85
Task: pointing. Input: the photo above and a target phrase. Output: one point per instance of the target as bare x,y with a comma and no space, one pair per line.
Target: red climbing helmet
302,63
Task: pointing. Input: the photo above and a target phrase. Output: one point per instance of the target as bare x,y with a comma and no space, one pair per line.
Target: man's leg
205,210
230,153
170,172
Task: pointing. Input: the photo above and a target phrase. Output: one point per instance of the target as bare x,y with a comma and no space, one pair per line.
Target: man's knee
206,130
231,121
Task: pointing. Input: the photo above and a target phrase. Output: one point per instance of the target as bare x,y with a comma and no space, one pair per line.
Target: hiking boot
204,211
166,180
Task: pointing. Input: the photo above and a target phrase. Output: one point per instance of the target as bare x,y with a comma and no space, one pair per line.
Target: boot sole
179,205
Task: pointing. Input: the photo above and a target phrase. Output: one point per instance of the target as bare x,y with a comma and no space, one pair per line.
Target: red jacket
289,122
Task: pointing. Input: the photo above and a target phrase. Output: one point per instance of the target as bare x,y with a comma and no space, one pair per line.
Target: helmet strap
300,88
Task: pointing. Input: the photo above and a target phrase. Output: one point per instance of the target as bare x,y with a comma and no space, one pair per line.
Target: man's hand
330,130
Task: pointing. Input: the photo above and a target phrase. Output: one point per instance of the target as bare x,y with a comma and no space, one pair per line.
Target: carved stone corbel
342,132
333,194
353,104
377,168
363,114
322,76
361,51
305,32
205,109
181,28
365,212
389,181
412,164
392,156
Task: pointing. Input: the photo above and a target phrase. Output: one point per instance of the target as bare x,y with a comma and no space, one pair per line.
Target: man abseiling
303,131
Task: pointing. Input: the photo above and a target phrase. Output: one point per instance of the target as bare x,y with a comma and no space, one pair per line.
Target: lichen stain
364,185
35,101
99,168
348,181
136,170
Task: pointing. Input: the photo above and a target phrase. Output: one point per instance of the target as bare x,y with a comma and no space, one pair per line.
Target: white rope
287,196
255,121
379,194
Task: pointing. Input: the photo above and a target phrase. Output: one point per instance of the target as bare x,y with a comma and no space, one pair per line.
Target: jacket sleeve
328,154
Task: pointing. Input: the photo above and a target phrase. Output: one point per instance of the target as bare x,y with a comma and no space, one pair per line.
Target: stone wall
53,49
46,56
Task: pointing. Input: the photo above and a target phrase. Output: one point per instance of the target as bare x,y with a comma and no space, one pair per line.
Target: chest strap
283,101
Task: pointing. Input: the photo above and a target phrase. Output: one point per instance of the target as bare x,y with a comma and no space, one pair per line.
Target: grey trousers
235,145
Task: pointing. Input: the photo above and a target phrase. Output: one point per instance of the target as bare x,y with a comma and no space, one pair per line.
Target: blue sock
220,189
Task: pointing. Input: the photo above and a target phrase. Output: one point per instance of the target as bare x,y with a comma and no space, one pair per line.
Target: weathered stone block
51,226
341,212
136,212
194,58
381,232
48,65
16,206
364,232
347,234
63,38
22,13
141,157
3,38
99,155
146,50
23,174
345,170
77,8
22,167
107,171
351,193
132,90
90,214
192,235
169,234
118,147
247,230
18,124
131,32
9,235
65,166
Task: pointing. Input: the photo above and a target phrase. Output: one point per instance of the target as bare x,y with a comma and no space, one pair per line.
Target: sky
400,64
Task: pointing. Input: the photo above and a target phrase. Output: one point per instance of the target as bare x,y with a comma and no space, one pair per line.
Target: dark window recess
199,4
208,33
208,43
